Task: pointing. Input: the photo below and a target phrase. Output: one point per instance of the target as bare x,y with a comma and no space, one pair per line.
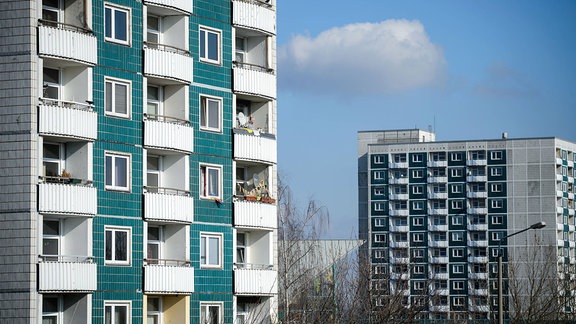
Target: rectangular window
378,207
458,301
416,174
379,270
379,254
399,158
419,285
379,238
154,310
496,155
417,158
496,187
458,268
418,237
497,203
418,221
456,188
51,309
210,40
117,243
496,236
418,253
457,204
210,181
498,219
51,83
117,312
379,222
117,98
418,269
51,239
211,313
378,175
417,189
378,159
496,171
418,205
210,250
456,156
379,192
117,169
458,285
457,236
458,253
456,172
116,24
457,220
210,114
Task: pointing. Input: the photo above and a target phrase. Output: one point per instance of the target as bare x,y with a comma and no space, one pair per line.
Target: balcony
439,260
437,195
400,260
399,276
253,214
477,194
67,274
169,277
478,162
255,148
399,228
477,178
177,136
394,196
479,308
255,15
64,198
168,205
169,63
399,212
398,244
438,228
438,275
179,5
478,292
440,308
437,179
67,42
477,227
477,243
437,164
433,243
67,119
397,165
256,280
478,259
477,275
478,211
437,211
254,80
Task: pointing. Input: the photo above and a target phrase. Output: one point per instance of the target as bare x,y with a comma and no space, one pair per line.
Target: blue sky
468,69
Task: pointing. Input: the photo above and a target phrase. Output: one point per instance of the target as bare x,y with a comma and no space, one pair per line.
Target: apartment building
433,214
138,158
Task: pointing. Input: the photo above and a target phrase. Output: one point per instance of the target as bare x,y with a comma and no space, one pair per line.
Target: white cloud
366,58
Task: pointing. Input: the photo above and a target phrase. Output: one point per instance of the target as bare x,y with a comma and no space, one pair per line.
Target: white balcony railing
433,243
255,282
478,211
477,243
439,260
168,208
395,196
477,275
58,198
397,165
180,5
478,292
255,148
171,136
399,244
163,279
438,275
255,214
398,180
477,259
476,178
477,227
437,228
477,194
253,16
437,179
476,162
255,82
67,276
168,64
70,43
399,228
67,119
437,211
437,164
437,195
399,212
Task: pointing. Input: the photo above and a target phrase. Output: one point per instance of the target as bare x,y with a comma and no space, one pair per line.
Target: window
379,222
496,236
51,239
241,248
154,102
456,156
399,158
418,221
210,250
417,190
416,174
210,181
52,159
379,254
457,236
496,187
378,175
153,31
438,156
418,205
379,269
117,171
458,268
418,269
496,171
457,220
378,207
51,309
117,98
417,158
211,313
240,49
117,24
497,203
210,114
477,155
117,245
117,312
458,301
456,172
497,219
418,253
379,192
458,253
50,11
210,45
456,188
378,159
154,252
457,204
51,83
418,285
496,155
379,238
154,310
418,237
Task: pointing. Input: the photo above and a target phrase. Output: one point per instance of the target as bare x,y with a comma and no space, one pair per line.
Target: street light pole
538,225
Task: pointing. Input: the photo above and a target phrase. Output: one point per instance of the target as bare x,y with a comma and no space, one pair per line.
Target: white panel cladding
255,282
179,137
182,5
67,44
254,82
67,276
60,198
255,214
253,16
170,208
168,279
80,123
256,148
169,65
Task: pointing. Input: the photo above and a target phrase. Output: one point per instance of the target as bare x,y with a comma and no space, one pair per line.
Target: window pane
154,233
108,245
153,93
214,251
108,22
213,46
50,246
120,23
108,96
202,45
202,250
49,304
51,227
121,246
213,182
203,114
108,168
49,320
51,75
121,99
214,114
121,171
214,314
120,314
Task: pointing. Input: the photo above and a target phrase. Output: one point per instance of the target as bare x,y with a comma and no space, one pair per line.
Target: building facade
138,157
433,214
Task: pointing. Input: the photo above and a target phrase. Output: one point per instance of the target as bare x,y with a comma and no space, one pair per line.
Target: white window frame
204,253
380,269
456,172
378,159
457,268
497,203
204,56
457,220
418,221
457,253
155,313
418,205
51,85
418,174
417,157
457,236
496,155
115,156
113,230
380,238
418,269
52,237
112,111
158,244
457,204
496,236
417,190
205,183
456,156
113,304
418,253
112,38
418,285
379,222
379,192
205,113
458,301
58,313
496,171
418,237
159,102
378,175
379,254
496,187
497,219
378,207
456,188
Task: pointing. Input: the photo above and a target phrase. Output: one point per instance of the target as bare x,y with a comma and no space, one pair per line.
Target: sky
464,69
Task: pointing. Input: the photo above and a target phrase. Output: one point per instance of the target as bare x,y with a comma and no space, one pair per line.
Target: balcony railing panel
165,63
54,276
256,148
255,214
252,81
255,282
58,198
168,208
180,5
162,279
171,136
68,119
253,16
68,44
